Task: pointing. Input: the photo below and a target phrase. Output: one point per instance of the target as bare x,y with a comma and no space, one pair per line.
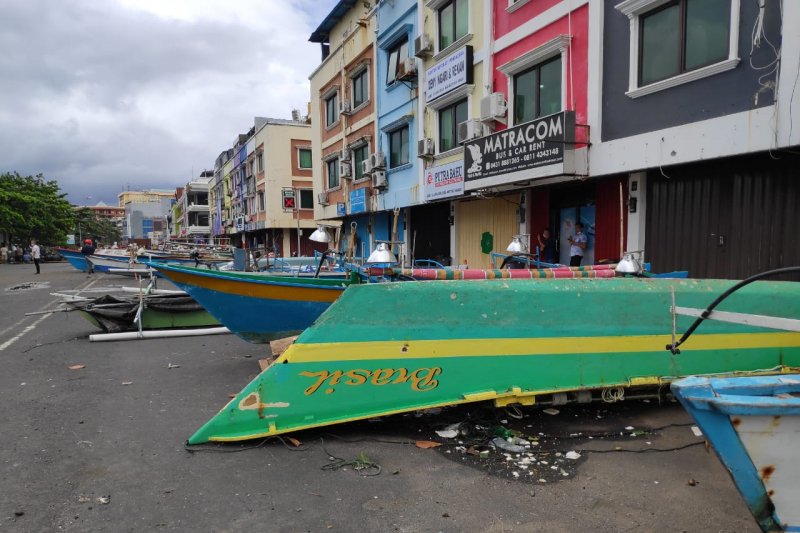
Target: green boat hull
389,348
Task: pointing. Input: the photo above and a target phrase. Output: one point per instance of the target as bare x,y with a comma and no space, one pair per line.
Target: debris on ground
426,444
170,366
551,411
104,500
76,367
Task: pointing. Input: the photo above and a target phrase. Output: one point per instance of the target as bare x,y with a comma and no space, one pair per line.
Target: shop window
306,199
360,83
453,22
332,166
537,91
679,41
397,54
360,154
332,110
304,157
449,119
398,147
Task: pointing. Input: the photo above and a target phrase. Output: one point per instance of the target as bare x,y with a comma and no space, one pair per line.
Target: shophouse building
146,213
343,114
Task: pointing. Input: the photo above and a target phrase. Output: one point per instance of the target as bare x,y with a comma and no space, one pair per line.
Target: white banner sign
449,73
444,181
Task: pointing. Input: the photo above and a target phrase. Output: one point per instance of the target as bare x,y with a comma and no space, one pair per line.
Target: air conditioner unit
344,107
344,169
366,166
423,45
425,147
344,155
377,160
469,130
322,198
379,179
407,69
493,107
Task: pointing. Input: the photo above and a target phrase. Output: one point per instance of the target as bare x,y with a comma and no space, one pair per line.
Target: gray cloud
103,95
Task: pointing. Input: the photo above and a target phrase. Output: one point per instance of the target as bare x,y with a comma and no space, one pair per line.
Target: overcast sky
102,95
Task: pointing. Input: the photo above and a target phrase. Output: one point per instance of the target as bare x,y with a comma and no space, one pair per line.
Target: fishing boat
396,347
114,314
117,265
258,306
752,424
74,258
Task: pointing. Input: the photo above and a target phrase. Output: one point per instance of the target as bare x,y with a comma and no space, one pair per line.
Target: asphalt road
101,448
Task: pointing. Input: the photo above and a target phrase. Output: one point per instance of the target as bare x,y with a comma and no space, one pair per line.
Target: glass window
361,88
306,199
449,119
397,54
681,36
398,147
260,158
304,158
537,91
359,155
261,206
332,110
333,173
453,22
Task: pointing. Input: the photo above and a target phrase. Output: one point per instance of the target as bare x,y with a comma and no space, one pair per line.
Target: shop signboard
444,181
358,201
450,73
540,148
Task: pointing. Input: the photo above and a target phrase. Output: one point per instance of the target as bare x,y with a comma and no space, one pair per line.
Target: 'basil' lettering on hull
420,380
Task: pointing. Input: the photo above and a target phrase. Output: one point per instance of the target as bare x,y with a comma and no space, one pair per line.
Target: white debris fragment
447,433
629,428
696,431
573,455
550,411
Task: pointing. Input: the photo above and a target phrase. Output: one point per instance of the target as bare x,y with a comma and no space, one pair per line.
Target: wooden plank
264,363
278,346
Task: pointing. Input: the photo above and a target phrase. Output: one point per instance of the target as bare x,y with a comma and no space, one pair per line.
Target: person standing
88,250
577,244
547,246
4,253
36,254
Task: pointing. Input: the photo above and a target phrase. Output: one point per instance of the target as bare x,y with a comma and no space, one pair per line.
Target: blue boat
753,423
74,258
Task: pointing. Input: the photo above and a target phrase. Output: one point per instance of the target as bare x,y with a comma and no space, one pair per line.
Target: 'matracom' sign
503,157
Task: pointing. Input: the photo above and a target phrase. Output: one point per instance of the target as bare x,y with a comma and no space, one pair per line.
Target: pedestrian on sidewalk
577,246
4,253
36,254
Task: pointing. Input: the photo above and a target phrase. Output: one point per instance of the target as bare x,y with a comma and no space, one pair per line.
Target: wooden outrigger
396,347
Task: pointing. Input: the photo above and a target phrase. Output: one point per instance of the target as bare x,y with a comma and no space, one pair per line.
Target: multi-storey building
190,214
697,109
343,112
145,212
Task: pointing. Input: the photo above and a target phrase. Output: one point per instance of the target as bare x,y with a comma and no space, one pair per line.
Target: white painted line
14,339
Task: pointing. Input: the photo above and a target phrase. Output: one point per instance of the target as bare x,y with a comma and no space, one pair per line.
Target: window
331,110
260,159
333,172
306,199
360,88
304,158
398,147
261,206
537,91
396,56
359,155
449,119
453,22
682,36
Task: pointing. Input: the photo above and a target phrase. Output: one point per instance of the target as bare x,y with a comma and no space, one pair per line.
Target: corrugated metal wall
497,216
725,219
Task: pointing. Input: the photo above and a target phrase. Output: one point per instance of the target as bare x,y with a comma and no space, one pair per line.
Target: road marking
18,324
14,339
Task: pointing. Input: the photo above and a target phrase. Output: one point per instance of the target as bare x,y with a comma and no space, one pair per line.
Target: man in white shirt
36,254
577,244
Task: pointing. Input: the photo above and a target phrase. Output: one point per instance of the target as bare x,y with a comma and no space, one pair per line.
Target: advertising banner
444,181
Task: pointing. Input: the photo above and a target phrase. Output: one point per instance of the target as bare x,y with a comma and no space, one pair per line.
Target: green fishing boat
388,348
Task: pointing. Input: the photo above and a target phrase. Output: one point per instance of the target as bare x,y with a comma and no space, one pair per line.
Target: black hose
769,273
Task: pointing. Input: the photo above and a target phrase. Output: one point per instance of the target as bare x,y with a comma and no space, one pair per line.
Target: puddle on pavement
28,286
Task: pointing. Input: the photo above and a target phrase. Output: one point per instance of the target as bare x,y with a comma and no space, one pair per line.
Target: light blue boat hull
753,424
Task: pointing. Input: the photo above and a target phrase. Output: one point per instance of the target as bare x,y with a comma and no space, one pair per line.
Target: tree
32,208
87,224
